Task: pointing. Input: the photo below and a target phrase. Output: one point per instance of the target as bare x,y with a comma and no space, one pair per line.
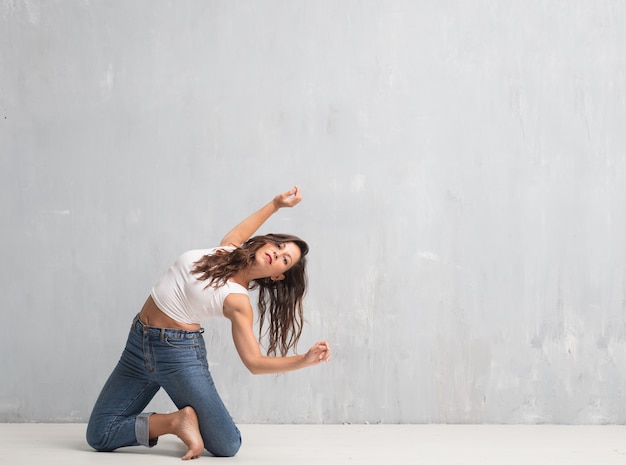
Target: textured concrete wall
463,168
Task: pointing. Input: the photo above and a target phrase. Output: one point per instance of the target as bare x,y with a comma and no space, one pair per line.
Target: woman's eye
285,260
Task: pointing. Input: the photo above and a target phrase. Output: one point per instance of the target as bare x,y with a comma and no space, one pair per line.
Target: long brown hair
280,302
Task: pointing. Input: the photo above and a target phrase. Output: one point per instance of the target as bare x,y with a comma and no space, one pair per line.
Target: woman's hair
280,302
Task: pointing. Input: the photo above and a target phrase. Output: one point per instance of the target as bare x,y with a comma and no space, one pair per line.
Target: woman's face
276,258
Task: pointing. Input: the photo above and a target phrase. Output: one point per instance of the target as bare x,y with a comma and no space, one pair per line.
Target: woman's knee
97,440
225,448
98,436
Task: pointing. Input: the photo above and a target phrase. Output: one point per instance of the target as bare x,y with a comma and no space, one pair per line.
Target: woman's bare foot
188,430
183,424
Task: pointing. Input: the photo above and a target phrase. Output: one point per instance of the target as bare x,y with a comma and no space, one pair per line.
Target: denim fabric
155,358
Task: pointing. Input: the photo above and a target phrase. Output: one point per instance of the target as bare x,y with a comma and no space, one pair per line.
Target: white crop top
182,296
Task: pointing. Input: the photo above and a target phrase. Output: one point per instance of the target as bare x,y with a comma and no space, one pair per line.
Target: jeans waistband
169,332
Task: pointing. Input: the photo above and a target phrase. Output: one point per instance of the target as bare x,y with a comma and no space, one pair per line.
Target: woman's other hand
288,199
320,352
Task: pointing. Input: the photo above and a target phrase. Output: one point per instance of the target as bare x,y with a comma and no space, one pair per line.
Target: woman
165,347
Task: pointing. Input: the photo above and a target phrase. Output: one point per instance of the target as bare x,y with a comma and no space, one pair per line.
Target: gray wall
463,168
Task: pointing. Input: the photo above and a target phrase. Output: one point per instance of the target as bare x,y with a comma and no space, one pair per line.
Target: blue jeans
154,358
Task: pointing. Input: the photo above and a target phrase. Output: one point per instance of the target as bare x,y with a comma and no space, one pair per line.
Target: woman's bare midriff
152,315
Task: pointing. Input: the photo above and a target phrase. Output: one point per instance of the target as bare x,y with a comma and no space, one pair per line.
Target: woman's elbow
254,368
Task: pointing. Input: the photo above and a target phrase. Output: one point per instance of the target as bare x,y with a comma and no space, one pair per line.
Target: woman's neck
242,278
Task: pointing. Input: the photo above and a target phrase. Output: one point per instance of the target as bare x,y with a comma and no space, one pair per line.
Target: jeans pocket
177,343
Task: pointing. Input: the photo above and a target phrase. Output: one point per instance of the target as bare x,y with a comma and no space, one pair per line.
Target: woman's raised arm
244,230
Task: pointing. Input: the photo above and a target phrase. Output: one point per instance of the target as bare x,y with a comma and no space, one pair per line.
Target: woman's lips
269,257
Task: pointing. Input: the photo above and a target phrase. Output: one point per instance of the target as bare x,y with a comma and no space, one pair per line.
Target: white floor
340,444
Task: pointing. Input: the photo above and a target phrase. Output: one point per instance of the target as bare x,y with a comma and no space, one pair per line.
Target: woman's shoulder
234,288
211,250
237,304
196,254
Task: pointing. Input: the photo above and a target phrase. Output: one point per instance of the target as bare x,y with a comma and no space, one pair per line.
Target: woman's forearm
244,230
270,365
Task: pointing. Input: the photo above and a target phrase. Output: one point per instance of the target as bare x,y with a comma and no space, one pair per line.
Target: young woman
165,347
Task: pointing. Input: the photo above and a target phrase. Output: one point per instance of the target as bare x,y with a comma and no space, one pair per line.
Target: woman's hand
320,352
288,199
